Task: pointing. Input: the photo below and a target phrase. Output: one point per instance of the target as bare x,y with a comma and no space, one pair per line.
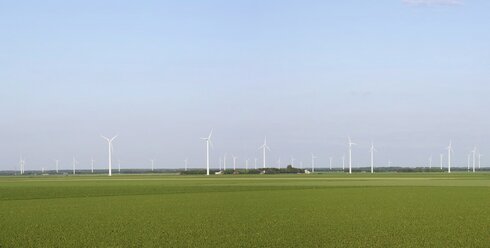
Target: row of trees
288,170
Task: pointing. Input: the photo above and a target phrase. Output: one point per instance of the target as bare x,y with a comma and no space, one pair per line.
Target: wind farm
245,124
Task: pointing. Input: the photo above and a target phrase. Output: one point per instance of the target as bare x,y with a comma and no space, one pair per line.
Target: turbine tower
430,162
186,161
264,147
224,162
234,162
208,143
152,164
22,164
469,161
350,155
479,160
57,165
313,157
474,159
109,142
449,150
372,156
330,162
279,163
92,165
74,164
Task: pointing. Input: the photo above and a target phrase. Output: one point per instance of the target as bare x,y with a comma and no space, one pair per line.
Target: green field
326,210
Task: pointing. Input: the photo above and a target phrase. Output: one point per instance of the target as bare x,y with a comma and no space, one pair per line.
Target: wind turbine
185,163
372,150
109,142
92,164
350,155
264,147
152,164
208,142
255,160
313,157
220,162
449,150
74,164
469,159
292,161
330,162
246,164
474,159
279,163
57,165
234,162
119,166
22,164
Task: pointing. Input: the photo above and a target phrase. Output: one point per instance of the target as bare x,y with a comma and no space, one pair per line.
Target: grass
323,210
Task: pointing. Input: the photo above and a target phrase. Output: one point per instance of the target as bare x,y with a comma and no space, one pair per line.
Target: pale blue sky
307,74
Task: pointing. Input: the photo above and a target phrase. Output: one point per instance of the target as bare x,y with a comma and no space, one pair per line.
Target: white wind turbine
449,150
264,147
474,159
292,161
313,157
57,165
330,162
119,166
208,143
74,164
469,161
255,163
22,164
186,161
109,142
92,165
152,161
246,164
279,163
234,162
372,150
350,154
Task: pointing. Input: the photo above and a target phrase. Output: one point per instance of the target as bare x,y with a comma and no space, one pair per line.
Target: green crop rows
327,210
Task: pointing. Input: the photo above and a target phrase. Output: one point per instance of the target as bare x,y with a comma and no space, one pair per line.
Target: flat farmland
318,210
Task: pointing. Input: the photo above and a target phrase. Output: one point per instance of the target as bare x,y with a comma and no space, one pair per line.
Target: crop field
320,210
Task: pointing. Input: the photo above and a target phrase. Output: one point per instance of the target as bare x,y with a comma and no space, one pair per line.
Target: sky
408,75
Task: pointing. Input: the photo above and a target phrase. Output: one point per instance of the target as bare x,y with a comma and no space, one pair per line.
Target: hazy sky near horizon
409,75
